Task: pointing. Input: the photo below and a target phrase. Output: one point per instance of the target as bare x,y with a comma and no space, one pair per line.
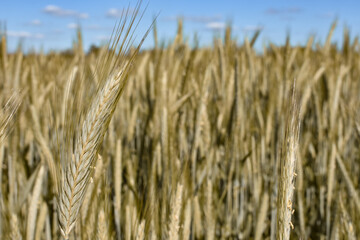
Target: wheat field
181,142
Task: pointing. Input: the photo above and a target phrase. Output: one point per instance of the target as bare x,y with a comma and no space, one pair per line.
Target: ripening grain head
287,171
76,175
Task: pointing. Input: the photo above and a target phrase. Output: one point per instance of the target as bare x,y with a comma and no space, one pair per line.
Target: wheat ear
76,175
287,171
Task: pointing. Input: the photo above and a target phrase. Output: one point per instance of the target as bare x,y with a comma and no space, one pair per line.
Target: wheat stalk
41,220
30,228
261,225
187,220
117,186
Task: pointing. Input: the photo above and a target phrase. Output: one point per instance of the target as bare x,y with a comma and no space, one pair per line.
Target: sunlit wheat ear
287,171
76,175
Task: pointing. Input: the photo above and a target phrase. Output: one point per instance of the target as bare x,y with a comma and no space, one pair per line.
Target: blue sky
52,24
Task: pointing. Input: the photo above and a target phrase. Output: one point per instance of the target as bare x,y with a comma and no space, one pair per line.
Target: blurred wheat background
216,142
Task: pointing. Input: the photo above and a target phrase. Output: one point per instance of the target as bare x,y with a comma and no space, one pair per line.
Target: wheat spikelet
91,190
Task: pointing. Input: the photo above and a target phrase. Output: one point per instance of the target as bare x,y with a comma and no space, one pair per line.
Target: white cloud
73,26
216,25
93,27
24,34
114,13
117,13
35,22
60,12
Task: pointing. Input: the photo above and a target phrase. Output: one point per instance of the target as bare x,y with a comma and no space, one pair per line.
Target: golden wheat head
76,175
